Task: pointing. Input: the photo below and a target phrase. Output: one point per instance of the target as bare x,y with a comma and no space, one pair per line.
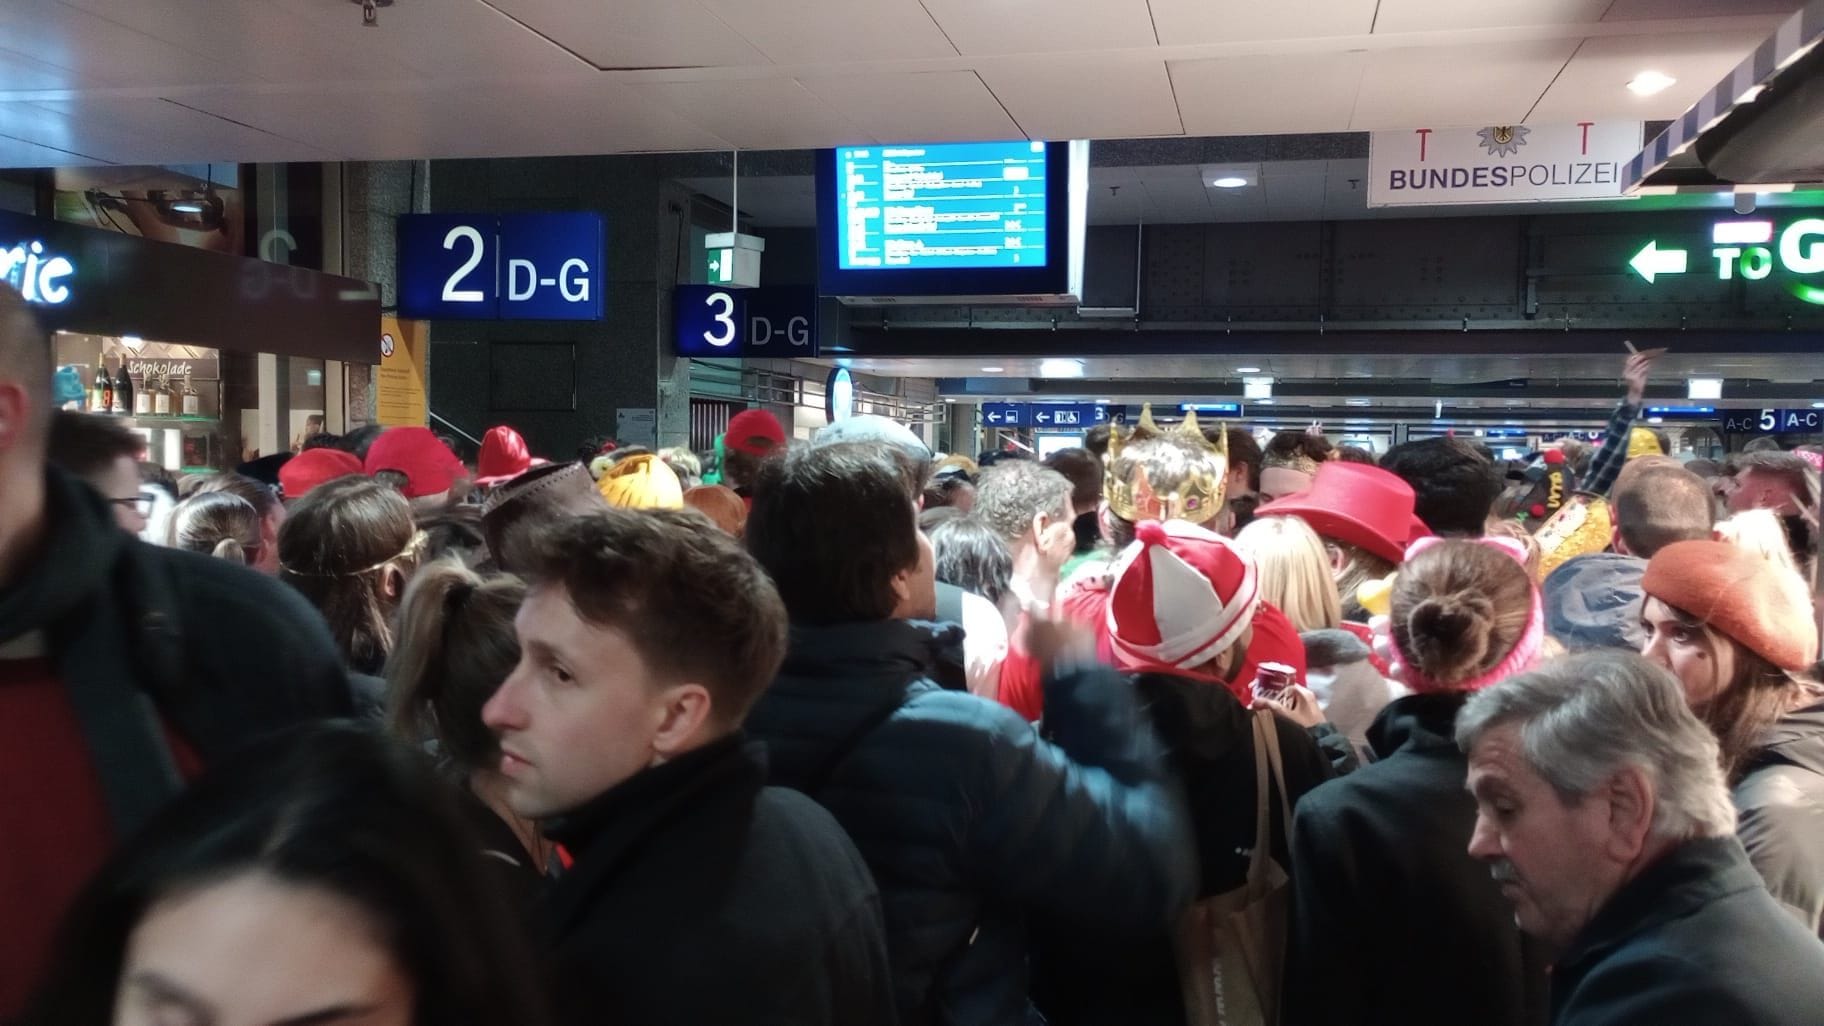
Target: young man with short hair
646,636
1455,484
104,454
974,826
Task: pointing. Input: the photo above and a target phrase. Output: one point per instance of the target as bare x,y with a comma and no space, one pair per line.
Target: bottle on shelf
142,393
101,393
192,401
161,396
123,402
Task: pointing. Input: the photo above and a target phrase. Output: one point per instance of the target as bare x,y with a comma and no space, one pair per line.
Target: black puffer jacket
1780,799
970,822
1091,981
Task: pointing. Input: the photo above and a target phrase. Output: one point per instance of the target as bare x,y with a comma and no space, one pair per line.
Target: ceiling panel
18,71
1182,22
1603,67
636,33
1464,85
254,39
448,38
761,113
19,153
935,106
796,32
151,131
1640,10
101,52
1043,26
1310,93
1070,97
1445,15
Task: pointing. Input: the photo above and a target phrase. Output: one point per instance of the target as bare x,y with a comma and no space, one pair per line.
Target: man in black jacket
1602,810
697,895
972,824
124,668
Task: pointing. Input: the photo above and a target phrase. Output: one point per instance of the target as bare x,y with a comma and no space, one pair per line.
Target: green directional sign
1749,249
721,266
1651,261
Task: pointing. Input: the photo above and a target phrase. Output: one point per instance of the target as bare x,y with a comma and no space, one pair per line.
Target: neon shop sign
1750,250
37,274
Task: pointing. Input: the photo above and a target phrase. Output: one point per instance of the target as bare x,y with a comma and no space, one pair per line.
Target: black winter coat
1694,939
1780,799
1080,980
972,823
700,897
225,654
1392,921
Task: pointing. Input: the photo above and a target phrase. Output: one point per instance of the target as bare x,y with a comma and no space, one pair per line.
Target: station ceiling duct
1761,129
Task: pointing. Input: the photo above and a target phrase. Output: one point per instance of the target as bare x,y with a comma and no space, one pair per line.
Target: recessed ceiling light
1061,368
993,370
1230,182
1649,83
1817,406
1358,402
1263,402
1247,370
1105,402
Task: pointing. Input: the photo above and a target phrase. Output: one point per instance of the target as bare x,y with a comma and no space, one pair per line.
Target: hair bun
1451,634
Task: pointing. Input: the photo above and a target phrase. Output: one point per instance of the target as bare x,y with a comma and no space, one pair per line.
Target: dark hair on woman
1459,608
261,497
360,440
456,645
337,547
330,806
454,531
972,556
222,524
834,525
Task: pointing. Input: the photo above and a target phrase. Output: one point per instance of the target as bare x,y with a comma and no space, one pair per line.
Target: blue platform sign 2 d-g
538,266
716,320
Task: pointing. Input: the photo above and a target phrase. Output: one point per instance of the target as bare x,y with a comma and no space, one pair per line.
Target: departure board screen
942,206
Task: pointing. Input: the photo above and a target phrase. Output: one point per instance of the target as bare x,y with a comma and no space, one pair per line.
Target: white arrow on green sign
1652,260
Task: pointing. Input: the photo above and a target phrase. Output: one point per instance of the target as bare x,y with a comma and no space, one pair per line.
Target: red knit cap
1739,593
1182,595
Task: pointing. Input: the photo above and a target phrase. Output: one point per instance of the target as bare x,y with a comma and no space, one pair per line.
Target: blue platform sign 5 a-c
715,320
540,266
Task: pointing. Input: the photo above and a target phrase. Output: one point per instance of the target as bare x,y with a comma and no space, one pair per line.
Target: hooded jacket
970,822
1392,921
153,661
1693,940
1780,805
1594,602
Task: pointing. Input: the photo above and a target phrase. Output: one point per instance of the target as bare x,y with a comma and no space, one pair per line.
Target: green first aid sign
1749,249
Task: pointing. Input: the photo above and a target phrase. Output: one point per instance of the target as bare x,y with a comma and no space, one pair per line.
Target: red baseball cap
755,432
313,467
428,465
504,456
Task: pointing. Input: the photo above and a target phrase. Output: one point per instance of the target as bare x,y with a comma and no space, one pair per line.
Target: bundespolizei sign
1500,163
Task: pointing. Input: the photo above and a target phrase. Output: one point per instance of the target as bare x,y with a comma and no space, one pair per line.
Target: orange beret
720,504
1740,594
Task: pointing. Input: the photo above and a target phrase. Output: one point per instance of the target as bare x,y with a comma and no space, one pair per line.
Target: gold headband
1198,498
419,540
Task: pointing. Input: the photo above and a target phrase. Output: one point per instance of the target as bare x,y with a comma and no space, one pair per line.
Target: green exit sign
1748,249
721,266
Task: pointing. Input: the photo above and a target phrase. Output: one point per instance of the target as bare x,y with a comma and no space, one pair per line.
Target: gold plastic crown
1197,498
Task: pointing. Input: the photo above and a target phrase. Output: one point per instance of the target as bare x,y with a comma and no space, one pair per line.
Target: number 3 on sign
452,294
725,317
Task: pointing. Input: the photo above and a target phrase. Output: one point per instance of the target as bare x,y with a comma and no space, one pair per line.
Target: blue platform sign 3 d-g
543,266
715,320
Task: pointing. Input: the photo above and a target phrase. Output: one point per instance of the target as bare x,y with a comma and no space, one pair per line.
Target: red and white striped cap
1182,595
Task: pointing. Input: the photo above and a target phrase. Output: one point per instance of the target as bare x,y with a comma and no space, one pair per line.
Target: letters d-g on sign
545,266
775,321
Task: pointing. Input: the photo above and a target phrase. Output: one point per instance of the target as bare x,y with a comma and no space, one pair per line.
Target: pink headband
1524,655
1815,460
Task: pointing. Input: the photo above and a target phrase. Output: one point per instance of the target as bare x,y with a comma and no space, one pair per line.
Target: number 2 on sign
452,294
725,317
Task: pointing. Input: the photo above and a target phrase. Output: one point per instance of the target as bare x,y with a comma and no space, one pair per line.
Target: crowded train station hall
911,513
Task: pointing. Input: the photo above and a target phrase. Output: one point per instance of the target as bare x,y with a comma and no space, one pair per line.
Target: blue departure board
941,206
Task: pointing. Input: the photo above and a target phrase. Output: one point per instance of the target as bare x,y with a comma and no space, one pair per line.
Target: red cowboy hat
504,456
1360,505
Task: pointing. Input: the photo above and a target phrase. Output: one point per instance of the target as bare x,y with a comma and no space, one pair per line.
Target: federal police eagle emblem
1503,140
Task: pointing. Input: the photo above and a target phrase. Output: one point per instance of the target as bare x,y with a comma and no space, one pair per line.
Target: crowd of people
1182,726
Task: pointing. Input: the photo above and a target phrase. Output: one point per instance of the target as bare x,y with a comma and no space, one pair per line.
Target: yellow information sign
400,395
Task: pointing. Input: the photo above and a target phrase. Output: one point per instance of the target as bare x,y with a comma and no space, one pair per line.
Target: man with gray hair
1602,811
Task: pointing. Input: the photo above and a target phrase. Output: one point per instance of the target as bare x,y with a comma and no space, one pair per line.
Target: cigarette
1630,346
